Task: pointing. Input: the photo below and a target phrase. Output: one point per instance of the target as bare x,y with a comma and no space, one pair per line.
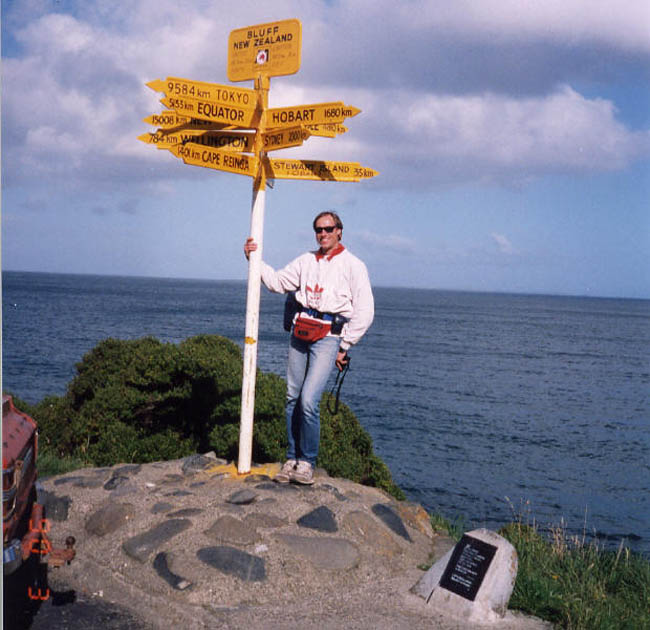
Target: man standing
335,307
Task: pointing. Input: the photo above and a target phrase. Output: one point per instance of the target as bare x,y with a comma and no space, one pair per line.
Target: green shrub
576,584
143,400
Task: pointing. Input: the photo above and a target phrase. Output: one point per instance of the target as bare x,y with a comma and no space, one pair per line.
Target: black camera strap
338,383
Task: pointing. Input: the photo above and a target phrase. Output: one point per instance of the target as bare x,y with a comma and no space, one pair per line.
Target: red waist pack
310,329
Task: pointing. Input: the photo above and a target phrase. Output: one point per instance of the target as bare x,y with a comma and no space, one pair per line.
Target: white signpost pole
253,295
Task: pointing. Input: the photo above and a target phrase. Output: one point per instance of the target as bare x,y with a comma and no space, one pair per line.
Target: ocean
486,407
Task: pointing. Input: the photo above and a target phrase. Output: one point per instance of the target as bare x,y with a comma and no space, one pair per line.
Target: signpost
310,114
231,129
271,50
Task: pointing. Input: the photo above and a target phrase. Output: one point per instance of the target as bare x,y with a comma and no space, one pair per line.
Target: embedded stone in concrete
335,491
242,497
196,463
109,518
415,516
179,493
277,487
477,580
161,565
161,506
115,481
59,482
56,508
371,534
235,562
128,469
229,529
89,482
81,481
390,518
172,478
256,477
323,553
321,519
259,519
140,547
185,512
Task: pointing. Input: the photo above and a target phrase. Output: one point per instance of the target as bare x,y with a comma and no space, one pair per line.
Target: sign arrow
234,115
224,94
318,113
216,159
317,170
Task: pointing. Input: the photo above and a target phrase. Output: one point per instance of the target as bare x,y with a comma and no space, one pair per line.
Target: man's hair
331,213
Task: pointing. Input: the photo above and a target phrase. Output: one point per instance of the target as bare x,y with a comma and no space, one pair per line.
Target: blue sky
512,139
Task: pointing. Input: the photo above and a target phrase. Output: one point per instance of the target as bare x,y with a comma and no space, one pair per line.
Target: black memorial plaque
467,567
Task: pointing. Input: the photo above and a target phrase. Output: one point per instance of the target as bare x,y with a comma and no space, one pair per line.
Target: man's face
327,240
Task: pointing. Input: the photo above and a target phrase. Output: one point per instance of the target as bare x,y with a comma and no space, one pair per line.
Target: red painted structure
24,526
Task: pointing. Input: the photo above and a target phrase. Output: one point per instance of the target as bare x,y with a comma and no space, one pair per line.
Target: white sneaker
304,473
286,472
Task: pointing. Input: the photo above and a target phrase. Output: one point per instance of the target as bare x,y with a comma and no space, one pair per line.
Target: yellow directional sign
309,114
216,112
170,120
326,130
317,170
217,159
166,120
271,49
284,138
224,94
230,140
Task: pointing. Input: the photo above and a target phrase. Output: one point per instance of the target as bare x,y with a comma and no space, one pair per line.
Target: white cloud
502,138
76,94
386,242
622,23
503,243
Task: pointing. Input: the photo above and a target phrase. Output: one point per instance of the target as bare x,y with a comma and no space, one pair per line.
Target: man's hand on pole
249,246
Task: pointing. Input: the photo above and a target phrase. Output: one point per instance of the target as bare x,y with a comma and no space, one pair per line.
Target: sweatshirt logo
314,296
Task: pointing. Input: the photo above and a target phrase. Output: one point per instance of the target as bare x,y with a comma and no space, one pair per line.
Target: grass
573,583
576,584
51,464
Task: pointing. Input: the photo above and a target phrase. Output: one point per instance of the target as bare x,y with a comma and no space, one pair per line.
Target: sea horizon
374,284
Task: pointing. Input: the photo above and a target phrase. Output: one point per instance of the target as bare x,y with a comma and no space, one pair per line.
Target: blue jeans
308,369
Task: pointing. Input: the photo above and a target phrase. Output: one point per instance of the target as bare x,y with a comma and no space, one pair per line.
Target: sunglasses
329,229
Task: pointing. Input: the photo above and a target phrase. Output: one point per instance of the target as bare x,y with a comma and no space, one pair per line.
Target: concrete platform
190,543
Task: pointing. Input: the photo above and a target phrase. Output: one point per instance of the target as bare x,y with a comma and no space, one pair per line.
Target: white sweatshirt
337,283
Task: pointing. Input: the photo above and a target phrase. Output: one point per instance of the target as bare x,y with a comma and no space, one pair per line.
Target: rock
179,493
109,518
161,566
185,512
370,534
196,463
140,547
56,508
160,507
323,553
258,519
242,497
415,516
231,530
115,481
127,469
257,478
390,518
321,519
478,578
235,562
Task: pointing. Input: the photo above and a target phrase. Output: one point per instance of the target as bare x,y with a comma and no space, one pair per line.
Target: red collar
337,250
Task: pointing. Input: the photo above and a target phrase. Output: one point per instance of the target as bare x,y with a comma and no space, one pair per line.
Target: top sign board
271,49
